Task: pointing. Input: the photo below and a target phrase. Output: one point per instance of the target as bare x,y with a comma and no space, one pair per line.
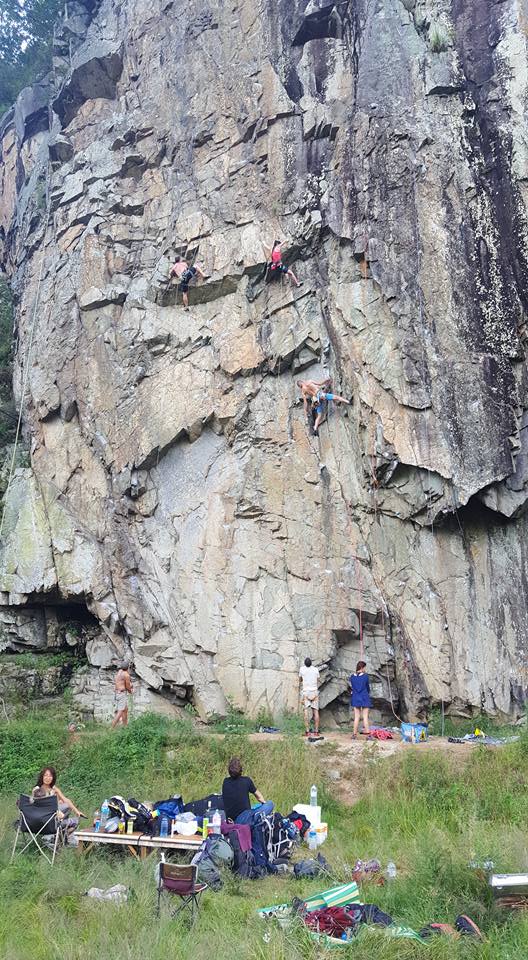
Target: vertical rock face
174,489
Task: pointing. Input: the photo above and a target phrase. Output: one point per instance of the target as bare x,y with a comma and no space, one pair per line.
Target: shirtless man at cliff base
122,688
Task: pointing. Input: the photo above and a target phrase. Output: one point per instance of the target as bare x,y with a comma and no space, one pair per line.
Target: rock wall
174,490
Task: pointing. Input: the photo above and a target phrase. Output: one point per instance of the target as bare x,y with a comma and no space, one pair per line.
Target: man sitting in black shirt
235,794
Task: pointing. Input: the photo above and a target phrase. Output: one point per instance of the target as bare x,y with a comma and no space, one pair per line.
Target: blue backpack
261,829
169,808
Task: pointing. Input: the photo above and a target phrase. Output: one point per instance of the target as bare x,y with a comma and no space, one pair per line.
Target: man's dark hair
235,767
307,662
178,259
360,665
40,778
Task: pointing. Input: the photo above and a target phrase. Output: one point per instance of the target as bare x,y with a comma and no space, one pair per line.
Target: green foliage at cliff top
26,29
429,813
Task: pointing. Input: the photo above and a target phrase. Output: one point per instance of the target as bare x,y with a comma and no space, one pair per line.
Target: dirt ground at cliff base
347,760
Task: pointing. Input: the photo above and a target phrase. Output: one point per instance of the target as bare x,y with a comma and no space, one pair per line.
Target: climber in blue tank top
360,699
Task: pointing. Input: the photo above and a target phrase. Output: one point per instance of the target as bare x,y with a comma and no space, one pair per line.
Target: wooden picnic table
138,844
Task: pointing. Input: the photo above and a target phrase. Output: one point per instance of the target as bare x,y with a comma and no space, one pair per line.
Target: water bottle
164,827
217,822
97,821
105,810
391,870
313,796
312,838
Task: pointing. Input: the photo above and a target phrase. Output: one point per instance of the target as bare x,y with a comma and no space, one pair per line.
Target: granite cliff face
175,504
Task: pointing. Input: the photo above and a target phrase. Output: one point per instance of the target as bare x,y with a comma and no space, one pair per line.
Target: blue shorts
186,278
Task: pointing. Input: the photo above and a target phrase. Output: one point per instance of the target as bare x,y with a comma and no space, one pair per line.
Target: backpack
141,814
219,851
208,873
307,868
244,861
261,845
133,810
300,821
282,837
214,852
169,808
199,807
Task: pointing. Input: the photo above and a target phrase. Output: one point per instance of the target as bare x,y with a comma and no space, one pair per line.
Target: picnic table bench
138,844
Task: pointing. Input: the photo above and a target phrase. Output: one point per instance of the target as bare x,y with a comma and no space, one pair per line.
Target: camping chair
180,880
38,819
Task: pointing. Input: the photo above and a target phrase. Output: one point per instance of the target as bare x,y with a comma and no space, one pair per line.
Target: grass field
425,811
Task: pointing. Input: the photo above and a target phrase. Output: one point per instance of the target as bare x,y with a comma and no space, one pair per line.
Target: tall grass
429,814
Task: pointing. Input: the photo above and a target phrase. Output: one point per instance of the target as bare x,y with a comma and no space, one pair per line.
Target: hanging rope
360,592
27,364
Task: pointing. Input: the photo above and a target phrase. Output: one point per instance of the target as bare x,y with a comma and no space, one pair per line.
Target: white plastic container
322,833
312,814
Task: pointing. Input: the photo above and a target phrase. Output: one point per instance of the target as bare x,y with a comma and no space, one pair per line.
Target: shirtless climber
319,403
185,273
309,390
122,689
275,264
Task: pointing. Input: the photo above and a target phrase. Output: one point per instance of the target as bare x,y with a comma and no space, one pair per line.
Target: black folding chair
39,824
181,881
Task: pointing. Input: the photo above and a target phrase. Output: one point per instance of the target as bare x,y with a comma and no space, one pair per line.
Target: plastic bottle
205,827
97,821
105,810
312,838
313,796
164,827
217,822
391,871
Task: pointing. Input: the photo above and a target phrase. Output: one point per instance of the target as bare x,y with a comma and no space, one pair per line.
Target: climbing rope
26,366
360,592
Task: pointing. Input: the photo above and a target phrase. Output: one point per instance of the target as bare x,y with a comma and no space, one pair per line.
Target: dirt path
345,761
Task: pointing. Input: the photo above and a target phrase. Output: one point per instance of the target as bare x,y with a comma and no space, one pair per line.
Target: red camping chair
180,880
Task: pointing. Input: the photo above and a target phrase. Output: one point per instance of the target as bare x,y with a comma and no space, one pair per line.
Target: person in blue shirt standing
360,699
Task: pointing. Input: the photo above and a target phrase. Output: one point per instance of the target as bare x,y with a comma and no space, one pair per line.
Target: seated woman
46,786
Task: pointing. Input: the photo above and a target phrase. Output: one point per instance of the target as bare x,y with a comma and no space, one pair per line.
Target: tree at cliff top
26,30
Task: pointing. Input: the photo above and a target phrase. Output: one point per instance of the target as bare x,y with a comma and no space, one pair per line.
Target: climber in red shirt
275,265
